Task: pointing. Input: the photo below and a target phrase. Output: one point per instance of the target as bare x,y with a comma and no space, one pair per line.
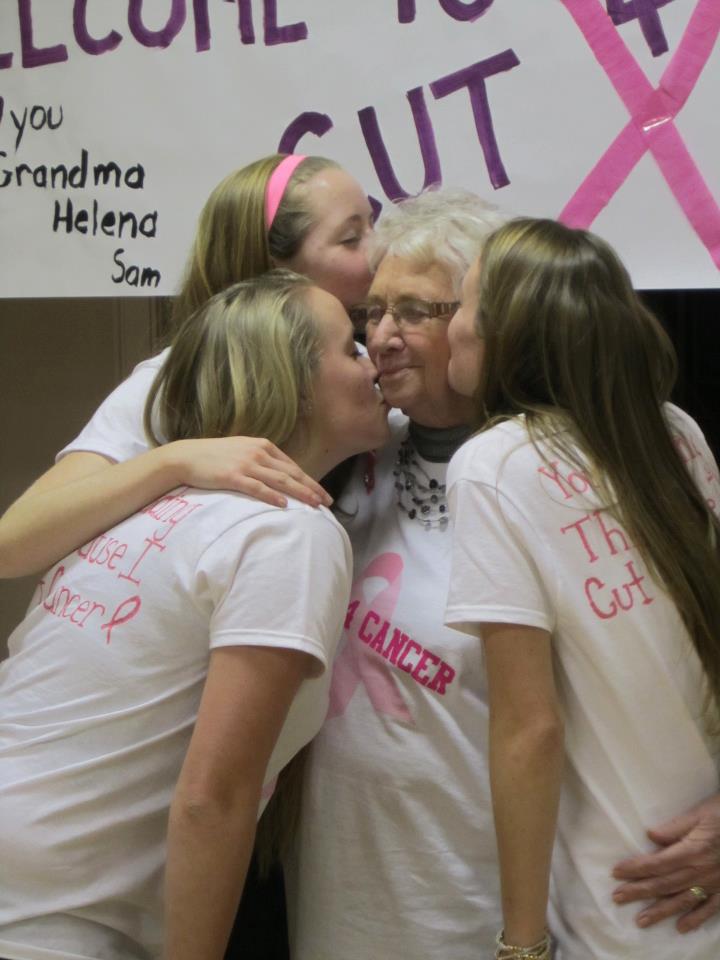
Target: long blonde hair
232,242
242,365
569,344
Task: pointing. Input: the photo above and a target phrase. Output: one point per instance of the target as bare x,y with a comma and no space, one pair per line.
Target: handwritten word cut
472,79
607,602
651,126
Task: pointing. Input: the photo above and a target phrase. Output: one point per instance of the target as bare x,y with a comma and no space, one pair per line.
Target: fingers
692,913
673,830
695,918
292,480
286,477
651,864
252,465
259,491
649,888
275,486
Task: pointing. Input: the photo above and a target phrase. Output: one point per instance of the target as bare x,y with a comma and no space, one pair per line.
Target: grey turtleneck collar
438,444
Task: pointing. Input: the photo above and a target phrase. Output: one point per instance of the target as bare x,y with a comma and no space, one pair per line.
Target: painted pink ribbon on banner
355,664
652,114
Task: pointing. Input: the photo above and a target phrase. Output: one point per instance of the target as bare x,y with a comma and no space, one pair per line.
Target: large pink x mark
651,126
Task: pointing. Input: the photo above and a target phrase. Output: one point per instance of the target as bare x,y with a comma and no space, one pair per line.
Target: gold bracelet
538,951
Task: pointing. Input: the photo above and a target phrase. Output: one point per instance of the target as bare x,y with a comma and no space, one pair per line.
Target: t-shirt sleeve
495,574
696,455
116,428
279,579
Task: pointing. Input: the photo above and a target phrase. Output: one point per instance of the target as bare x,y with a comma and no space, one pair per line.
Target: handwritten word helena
111,223
274,33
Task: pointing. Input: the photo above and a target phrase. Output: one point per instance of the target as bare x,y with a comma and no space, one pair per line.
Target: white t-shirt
533,547
100,693
396,855
116,429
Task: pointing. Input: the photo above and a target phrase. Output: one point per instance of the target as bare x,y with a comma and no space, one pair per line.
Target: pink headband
277,184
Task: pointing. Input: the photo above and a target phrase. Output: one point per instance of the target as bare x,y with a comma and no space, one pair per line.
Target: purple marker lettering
33,56
202,25
466,11
308,122
245,20
376,208
275,34
6,60
82,34
156,38
406,11
473,79
379,154
646,13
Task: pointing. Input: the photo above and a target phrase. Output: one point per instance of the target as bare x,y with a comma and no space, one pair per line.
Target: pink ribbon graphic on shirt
355,664
651,126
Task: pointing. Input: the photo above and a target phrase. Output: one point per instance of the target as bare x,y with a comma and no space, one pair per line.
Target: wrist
172,464
508,949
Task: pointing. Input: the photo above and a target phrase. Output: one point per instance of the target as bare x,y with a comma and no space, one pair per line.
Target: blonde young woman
171,667
303,213
586,556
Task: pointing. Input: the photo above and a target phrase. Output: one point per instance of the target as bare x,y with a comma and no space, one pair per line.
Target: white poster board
117,119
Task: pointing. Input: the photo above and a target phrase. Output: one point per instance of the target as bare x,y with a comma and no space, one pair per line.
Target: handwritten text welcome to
116,120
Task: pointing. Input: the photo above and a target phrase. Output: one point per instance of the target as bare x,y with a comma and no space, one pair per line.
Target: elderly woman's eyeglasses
407,314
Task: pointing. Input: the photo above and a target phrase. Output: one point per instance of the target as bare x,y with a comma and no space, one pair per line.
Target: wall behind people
59,359
692,318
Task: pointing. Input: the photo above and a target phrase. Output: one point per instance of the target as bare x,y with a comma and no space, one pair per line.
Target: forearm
53,518
525,770
209,849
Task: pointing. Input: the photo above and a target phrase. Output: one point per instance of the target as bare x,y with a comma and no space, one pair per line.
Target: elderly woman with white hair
396,853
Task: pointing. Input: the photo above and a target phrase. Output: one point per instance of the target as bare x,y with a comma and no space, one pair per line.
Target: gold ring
700,893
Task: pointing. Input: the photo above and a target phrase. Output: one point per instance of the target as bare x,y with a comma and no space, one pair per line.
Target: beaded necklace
420,496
